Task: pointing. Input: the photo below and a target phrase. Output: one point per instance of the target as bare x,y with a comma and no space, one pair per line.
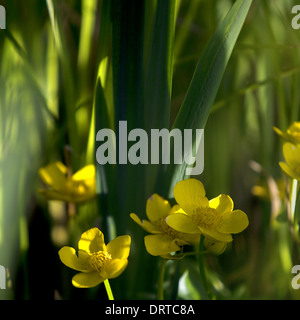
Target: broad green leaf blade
127,59
105,174
130,55
206,80
183,31
159,70
210,69
103,118
67,77
89,12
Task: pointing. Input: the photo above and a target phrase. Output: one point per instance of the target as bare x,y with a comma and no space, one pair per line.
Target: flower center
165,228
98,259
207,218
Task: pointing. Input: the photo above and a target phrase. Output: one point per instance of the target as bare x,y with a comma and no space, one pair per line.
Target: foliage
69,68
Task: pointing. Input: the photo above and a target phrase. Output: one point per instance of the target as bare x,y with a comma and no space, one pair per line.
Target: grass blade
206,80
159,73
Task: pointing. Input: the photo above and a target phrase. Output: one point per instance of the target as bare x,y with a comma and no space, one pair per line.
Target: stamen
161,223
207,218
98,259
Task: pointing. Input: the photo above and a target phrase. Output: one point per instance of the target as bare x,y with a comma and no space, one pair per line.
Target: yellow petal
87,280
182,222
56,195
67,195
92,241
190,195
234,222
222,203
214,247
157,208
146,225
176,208
215,234
291,154
261,192
54,175
150,227
292,134
279,132
119,247
114,268
69,258
289,171
191,238
86,173
294,127
160,244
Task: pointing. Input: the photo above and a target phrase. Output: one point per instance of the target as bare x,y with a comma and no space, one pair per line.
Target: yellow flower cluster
171,227
193,215
291,150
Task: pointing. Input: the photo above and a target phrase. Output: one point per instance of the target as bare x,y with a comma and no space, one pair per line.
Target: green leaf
159,69
205,83
127,59
67,76
159,73
89,11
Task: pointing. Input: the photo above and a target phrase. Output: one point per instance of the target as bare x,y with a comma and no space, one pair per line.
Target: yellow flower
292,134
81,186
262,190
163,239
291,155
215,218
96,261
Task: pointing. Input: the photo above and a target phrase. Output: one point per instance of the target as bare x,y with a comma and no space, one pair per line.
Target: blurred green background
52,54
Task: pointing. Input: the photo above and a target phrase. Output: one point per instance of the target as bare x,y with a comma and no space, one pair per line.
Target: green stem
293,199
202,268
161,276
108,290
293,216
194,253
